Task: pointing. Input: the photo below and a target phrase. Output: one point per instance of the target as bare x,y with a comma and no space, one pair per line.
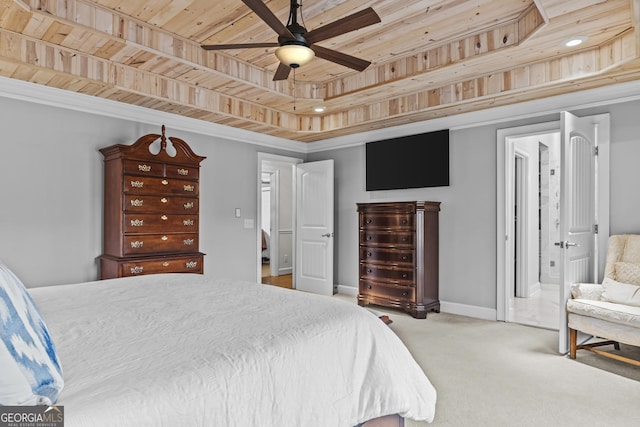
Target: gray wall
51,176
468,209
51,193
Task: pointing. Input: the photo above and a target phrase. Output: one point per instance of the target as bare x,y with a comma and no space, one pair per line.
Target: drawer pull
137,269
369,254
404,275
137,184
369,237
404,257
187,187
188,205
187,222
405,239
137,244
369,286
368,270
137,222
191,264
369,221
144,168
165,182
165,238
165,264
405,293
183,172
137,203
164,200
188,242
164,217
404,222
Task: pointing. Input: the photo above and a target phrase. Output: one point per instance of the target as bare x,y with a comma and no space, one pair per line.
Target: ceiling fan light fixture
294,55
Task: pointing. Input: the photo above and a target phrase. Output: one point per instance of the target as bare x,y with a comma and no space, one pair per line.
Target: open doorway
583,209
276,220
526,292
536,220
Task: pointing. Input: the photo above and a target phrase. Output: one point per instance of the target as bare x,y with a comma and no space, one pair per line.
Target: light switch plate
237,212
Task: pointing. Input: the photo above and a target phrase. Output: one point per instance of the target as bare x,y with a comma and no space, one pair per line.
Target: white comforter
184,350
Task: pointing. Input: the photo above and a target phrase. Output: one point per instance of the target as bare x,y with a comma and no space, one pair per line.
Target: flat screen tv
413,161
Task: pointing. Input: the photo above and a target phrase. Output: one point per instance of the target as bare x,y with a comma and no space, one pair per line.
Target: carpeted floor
498,374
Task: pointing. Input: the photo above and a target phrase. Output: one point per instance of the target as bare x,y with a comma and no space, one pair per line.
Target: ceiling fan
296,45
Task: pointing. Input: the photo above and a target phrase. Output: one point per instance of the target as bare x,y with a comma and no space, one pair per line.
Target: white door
578,207
314,227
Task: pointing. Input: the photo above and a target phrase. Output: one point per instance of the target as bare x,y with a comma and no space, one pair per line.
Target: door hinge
595,228
595,151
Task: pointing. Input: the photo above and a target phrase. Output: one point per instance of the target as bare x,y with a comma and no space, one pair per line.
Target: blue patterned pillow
30,370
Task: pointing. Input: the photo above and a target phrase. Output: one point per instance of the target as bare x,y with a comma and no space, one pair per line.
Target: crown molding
32,92
605,95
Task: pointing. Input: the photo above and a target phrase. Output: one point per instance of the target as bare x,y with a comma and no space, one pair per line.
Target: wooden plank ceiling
430,58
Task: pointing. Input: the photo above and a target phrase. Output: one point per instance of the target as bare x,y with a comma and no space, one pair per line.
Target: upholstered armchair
610,310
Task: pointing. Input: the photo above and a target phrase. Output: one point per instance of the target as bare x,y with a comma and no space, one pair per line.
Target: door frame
262,157
521,232
504,212
504,168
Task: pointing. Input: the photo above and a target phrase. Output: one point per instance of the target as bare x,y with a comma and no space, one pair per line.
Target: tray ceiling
429,59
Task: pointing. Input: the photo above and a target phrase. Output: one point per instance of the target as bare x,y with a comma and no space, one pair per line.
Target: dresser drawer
387,238
387,291
169,265
387,273
144,185
182,172
157,243
164,204
391,256
160,223
143,168
401,220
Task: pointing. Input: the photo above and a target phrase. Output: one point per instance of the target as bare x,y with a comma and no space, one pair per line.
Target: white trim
468,310
260,158
445,307
522,231
504,209
348,290
578,100
32,92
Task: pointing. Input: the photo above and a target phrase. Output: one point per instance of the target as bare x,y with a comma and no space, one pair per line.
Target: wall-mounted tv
413,161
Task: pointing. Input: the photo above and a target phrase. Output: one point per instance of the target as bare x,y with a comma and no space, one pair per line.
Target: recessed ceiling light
575,41
319,109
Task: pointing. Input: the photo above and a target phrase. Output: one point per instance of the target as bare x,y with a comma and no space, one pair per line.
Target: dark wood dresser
151,208
399,256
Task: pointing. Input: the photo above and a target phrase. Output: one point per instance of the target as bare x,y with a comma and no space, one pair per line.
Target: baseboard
445,307
468,310
347,290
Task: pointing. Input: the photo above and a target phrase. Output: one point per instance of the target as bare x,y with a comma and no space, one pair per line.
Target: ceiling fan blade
267,16
353,22
237,46
340,58
282,73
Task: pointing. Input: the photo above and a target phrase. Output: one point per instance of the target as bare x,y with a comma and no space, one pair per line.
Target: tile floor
540,310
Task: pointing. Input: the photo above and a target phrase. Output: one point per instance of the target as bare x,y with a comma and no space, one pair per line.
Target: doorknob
566,244
327,235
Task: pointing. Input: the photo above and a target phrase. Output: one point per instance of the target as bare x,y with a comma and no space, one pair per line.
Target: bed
189,350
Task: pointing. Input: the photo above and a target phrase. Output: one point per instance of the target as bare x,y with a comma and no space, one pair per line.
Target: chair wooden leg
573,341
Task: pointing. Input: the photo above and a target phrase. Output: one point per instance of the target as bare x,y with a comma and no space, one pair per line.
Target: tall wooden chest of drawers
399,256
151,208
